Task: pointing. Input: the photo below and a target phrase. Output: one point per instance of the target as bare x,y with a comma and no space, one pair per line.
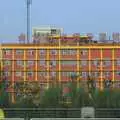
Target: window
6,74
30,73
31,52
84,62
42,62
53,63
18,74
66,74
63,73
53,74
30,63
42,51
84,74
118,73
7,62
42,74
117,84
96,62
118,62
84,52
73,52
73,74
19,52
53,52
7,51
95,74
106,74
107,62
65,52
19,62
53,31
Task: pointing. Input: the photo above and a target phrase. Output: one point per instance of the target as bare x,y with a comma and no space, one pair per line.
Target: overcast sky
73,15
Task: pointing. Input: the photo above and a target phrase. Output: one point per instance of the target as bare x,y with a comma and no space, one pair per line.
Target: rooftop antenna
28,3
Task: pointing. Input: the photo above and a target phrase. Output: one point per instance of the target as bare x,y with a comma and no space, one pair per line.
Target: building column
89,58
13,75
25,65
113,65
59,60
101,69
78,66
48,68
36,65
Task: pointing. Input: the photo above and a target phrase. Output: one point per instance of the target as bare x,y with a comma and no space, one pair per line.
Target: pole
28,20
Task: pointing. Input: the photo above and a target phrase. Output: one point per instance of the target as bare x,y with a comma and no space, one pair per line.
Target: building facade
49,63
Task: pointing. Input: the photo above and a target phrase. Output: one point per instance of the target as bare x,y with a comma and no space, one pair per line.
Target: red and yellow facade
32,62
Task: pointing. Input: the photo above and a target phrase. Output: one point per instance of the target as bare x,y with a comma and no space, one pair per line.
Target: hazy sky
73,15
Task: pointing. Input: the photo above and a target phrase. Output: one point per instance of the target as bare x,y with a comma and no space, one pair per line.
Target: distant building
40,35
103,37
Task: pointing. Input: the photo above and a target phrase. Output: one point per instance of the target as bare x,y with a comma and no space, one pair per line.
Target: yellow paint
101,69
59,61
24,65
29,46
89,56
48,68
36,64
13,74
113,64
78,67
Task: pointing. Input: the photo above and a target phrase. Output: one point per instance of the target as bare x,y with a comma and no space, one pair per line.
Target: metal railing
58,113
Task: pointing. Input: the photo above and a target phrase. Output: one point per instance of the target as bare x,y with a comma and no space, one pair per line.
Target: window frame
21,62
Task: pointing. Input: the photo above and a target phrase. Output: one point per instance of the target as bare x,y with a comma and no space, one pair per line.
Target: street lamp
28,3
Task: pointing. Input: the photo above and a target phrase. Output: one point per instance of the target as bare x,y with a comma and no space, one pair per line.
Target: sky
75,16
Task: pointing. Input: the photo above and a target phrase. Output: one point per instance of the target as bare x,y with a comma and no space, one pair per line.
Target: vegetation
53,97
29,94
4,96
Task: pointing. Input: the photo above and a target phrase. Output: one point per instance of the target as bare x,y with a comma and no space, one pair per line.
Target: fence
59,113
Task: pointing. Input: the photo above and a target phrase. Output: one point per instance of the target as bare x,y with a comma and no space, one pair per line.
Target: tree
51,97
28,94
4,97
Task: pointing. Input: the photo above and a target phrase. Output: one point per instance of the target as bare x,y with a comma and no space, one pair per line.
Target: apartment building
49,63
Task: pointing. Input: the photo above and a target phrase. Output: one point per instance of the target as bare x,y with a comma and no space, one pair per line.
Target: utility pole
28,3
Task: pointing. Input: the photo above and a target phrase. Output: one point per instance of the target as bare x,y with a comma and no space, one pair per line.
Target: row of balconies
67,56
62,67
44,75
57,69
53,79
82,62
62,57
82,52
42,52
